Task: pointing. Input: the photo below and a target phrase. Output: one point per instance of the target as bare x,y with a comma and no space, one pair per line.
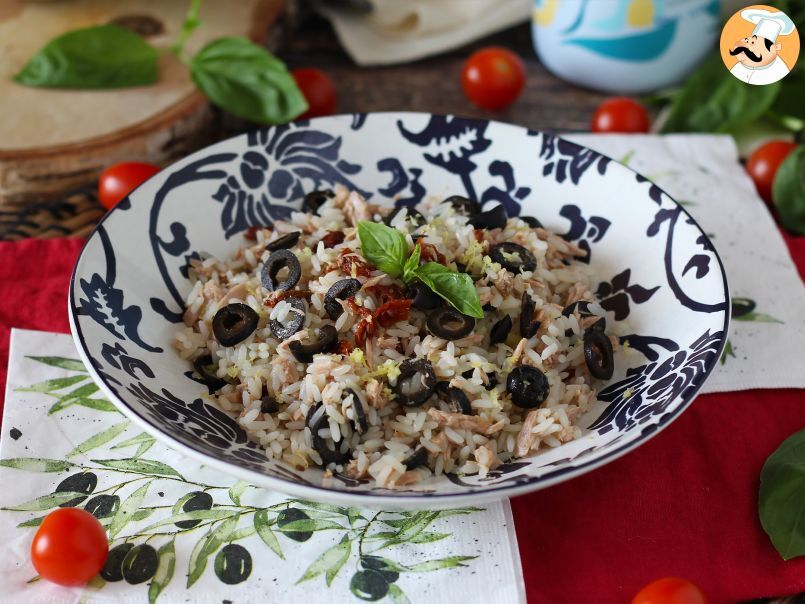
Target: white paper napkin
765,347
60,437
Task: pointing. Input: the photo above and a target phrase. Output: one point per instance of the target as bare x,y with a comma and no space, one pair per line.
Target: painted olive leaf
208,546
99,439
236,491
758,317
397,595
431,565
31,523
46,502
242,533
143,449
429,537
412,527
311,525
37,464
142,437
61,362
54,384
263,527
164,574
127,509
98,404
142,514
140,466
213,514
330,562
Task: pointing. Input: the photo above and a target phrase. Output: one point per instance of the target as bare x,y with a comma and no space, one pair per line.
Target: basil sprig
781,506
788,191
387,249
103,56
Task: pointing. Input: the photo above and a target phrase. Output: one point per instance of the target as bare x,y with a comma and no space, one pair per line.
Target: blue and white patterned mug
624,46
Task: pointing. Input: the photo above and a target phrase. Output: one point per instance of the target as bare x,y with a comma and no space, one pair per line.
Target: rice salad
481,341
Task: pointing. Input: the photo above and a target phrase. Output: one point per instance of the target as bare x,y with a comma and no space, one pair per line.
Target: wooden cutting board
55,140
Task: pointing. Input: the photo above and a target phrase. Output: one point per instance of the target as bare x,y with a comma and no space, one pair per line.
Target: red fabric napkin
684,504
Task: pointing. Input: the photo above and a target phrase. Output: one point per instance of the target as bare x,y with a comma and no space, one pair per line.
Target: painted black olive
513,257
327,454
416,382
286,517
140,564
598,354
103,506
197,500
77,483
293,321
233,564
742,307
527,386
205,367
234,323
113,567
340,290
285,242
463,205
459,402
528,326
361,425
423,297
416,459
379,564
449,324
500,330
315,199
369,585
413,216
532,222
491,219
276,262
268,404
326,342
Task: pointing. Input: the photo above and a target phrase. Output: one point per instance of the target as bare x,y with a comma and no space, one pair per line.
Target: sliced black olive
328,338
416,382
598,354
414,216
340,290
327,454
423,297
582,306
487,308
491,219
599,325
205,367
459,401
492,380
284,242
527,386
449,324
234,323
513,257
463,205
315,199
442,386
268,404
532,222
500,330
418,458
361,425
528,326
293,322
276,262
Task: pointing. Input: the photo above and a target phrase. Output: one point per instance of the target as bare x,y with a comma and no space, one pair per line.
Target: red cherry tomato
670,590
763,163
118,180
620,114
319,91
493,77
70,547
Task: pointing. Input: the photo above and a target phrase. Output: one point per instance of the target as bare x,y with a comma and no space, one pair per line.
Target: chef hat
769,24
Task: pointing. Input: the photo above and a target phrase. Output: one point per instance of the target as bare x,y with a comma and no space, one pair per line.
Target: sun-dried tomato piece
392,311
345,347
352,265
333,238
282,295
251,233
431,254
385,293
479,235
366,326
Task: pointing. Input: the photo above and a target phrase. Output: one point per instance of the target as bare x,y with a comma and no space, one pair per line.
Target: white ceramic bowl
656,266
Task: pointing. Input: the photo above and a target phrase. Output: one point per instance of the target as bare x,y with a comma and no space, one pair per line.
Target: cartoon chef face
755,51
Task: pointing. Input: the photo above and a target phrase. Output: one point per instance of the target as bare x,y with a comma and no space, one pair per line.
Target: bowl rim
388,497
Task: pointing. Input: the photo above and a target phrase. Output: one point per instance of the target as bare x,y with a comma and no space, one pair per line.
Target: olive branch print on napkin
110,475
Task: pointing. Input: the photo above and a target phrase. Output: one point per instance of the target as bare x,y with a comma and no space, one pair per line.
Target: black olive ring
525,261
598,354
527,386
409,393
234,323
276,262
293,323
327,454
449,324
326,342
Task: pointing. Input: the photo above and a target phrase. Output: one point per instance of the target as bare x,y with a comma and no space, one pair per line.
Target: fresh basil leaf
247,80
781,506
102,56
409,269
788,191
713,100
383,246
457,288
